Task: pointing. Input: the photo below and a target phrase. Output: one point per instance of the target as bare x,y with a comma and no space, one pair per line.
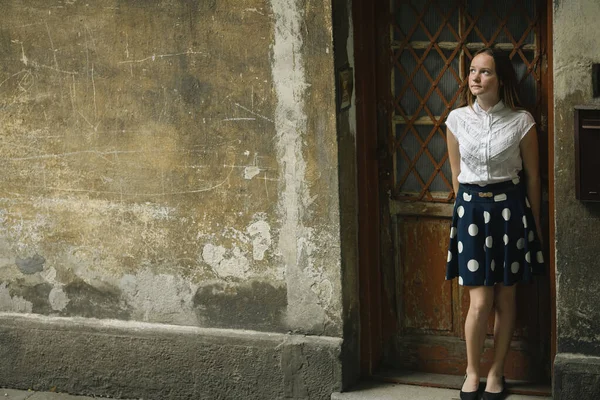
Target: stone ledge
152,361
576,377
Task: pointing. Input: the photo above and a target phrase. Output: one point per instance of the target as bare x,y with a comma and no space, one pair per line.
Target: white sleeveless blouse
489,142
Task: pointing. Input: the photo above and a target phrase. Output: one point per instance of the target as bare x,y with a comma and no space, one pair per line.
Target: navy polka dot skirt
493,236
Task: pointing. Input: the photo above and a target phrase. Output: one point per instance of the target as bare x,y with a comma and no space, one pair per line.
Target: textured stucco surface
577,224
170,161
576,376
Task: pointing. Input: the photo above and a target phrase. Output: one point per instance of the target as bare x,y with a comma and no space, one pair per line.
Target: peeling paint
235,261
159,298
251,172
58,299
236,265
260,231
49,275
9,303
31,265
291,123
213,255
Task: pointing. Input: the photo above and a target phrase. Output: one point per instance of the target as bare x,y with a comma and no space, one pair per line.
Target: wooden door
423,58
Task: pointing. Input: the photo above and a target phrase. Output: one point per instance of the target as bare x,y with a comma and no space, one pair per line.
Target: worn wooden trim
364,18
549,76
398,119
422,45
421,208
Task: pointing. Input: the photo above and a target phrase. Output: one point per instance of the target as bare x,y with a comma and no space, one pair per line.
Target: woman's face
483,81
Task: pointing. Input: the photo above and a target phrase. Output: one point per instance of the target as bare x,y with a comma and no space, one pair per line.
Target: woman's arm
454,157
531,167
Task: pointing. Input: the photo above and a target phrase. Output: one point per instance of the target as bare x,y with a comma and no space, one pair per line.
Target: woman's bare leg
504,325
481,301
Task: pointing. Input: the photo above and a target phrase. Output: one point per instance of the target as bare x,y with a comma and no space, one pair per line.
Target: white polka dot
506,214
531,236
520,244
473,230
528,257
493,265
524,221
515,267
461,211
473,265
467,196
516,181
460,247
460,280
527,202
449,256
505,238
500,197
452,232
540,257
489,241
486,216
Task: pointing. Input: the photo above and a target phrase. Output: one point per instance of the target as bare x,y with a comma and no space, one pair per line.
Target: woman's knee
481,300
505,299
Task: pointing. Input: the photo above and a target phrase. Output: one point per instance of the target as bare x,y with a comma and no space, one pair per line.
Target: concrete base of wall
576,377
138,360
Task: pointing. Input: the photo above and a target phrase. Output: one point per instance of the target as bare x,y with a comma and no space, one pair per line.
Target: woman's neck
487,104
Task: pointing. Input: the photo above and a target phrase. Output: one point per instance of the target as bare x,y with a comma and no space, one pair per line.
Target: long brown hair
506,77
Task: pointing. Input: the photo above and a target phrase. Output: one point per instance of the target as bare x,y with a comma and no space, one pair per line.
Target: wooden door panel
423,244
433,310
447,355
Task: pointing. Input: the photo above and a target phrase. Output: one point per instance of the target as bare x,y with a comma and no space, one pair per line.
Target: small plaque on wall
345,87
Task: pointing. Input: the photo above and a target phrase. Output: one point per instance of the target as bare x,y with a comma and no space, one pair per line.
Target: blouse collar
496,108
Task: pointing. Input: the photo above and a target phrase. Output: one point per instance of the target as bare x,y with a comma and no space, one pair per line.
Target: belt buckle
486,194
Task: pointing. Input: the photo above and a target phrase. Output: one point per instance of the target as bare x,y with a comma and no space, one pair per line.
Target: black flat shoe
496,396
468,395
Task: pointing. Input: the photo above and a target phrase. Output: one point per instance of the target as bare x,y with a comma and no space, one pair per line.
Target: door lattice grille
432,44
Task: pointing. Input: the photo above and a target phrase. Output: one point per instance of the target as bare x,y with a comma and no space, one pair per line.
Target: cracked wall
577,223
170,161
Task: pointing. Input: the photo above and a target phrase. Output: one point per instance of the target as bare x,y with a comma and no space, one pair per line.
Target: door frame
375,327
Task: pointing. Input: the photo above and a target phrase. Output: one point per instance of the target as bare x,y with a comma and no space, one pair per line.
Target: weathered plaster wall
577,373
170,161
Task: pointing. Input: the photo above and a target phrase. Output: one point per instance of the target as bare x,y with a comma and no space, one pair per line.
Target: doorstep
391,391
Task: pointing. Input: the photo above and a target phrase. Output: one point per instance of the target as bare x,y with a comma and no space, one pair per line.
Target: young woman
493,152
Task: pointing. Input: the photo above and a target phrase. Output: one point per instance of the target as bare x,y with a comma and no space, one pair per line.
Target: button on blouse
488,142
